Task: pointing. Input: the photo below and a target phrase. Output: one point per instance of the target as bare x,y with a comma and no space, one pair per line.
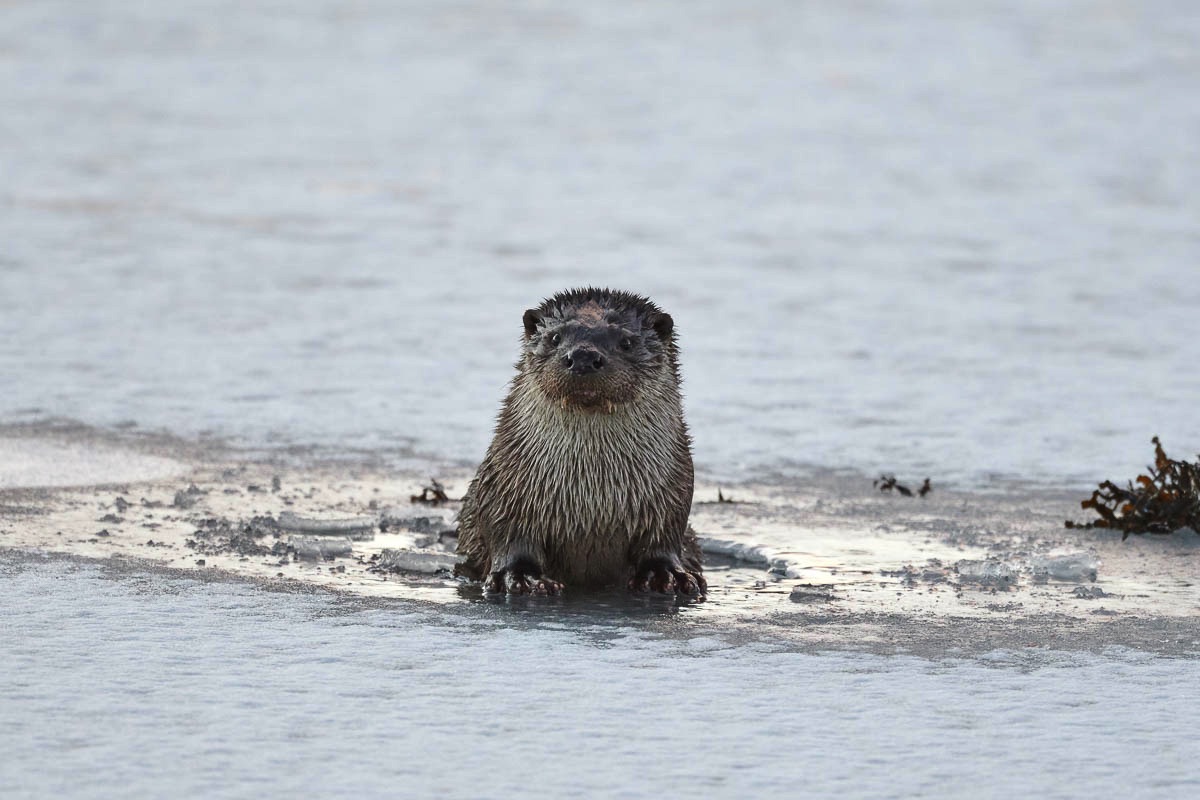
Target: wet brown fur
587,481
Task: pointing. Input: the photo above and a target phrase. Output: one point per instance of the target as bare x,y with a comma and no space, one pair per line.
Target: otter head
594,349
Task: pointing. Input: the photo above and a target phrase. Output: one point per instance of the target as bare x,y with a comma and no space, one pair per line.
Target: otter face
594,354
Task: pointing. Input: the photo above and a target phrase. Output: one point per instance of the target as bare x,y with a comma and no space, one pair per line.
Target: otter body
588,480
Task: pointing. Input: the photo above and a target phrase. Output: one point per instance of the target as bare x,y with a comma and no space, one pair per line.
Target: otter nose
584,361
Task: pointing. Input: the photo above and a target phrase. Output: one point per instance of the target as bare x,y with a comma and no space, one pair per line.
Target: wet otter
588,480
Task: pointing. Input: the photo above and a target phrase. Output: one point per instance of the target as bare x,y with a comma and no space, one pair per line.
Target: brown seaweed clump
1162,502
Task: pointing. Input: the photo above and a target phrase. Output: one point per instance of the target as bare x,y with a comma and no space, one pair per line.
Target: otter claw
508,581
664,580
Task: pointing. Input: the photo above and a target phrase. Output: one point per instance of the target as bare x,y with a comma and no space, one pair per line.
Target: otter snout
584,361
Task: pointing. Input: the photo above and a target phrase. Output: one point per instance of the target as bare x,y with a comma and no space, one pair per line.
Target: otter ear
531,320
663,325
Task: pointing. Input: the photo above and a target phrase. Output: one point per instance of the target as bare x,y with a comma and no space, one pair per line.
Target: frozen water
352,528
987,573
742,551
1073,567
942,239
151,687
321,547
37,462
415,561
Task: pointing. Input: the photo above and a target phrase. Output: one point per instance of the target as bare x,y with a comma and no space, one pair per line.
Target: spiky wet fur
588,493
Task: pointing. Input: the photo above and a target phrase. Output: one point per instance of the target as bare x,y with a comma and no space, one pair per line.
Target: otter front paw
661,575
518,581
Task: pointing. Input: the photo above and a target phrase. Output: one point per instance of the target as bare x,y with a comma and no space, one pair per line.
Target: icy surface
320,547
940,238
988,573
37,462
1071,567
413,561
148,688
350,527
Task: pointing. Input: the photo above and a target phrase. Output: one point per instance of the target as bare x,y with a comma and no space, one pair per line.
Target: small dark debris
1004,608
215,536
1162,502
103,533
888,483
121,504
721,498
254,488
1105,612
186,498
926,488
432,495
200,562
111,518
1089,592
276,484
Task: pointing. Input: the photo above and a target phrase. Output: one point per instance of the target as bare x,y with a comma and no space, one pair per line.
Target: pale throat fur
587,473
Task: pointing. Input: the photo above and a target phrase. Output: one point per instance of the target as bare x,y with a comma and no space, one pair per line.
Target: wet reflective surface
142,685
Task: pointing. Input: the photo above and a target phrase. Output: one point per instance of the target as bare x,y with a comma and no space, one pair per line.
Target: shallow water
147,686
944,240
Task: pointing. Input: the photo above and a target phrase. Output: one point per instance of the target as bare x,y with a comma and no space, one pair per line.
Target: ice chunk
392,519
352,527
986,573
1072,567
415,561
811,593
750,553
313,547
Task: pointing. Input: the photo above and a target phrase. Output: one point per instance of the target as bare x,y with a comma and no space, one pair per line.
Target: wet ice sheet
945,239
951,557
29,461
152,687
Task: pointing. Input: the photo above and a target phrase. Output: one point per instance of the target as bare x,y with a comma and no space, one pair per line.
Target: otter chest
602,478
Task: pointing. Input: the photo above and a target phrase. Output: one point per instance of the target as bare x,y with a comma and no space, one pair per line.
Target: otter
588,480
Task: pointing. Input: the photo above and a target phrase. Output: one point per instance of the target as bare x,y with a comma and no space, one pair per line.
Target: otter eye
555,339
627,343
